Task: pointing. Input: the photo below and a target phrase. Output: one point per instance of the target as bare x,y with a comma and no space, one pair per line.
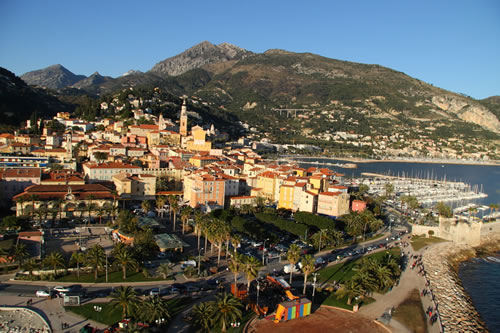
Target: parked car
62,289
42,293
154,292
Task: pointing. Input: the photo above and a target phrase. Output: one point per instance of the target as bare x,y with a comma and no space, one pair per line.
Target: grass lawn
110,316
419,242
132,276
344,271
329,298
411,314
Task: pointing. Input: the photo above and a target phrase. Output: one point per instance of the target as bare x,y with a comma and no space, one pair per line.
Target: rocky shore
455,307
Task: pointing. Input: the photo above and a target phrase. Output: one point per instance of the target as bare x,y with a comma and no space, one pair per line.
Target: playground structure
300,307
239,291
296,307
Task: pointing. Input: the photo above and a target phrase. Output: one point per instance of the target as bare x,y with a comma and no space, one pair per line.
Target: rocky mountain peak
54,77
199,55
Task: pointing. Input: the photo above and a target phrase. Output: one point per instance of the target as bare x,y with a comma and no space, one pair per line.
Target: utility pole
106,267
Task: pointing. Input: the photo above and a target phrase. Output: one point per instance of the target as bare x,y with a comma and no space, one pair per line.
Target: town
164,214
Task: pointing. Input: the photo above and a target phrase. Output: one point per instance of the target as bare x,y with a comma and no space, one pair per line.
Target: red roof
22,172
330,194
81,192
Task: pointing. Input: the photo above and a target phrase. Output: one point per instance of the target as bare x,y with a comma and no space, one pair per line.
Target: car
42,293
154,292
62,290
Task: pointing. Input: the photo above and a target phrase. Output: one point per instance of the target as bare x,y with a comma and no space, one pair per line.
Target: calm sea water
484,177
480,277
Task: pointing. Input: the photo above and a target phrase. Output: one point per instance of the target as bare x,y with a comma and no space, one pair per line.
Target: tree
308,266
154,310
366,280
95,257
20,253
21,201
351,289
236,266
354,225
185,215
226,310
30,265
54,260
124,259
199,220
126,298
33,198
146,206
100,213
251,268
174,207
77,258
90,205
202,314
389,189
160,203
100,156
164,270
293,256
443,209
127,222
10,222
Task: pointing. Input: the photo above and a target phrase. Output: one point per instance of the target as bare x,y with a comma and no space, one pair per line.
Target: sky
454,45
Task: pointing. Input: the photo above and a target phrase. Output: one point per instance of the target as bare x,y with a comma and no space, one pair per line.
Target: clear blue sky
454,45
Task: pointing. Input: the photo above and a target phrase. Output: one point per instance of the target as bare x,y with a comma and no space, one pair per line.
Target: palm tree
199,221
30,265
185,215
90,205
293,256
124,259
236,266
160,202
383,275
351,289
226,310
34,198
146,206
20,253
202,314
308,266
154,310
54,260
95,257
366,280
164,270
77,258
126,298
101,211
21,201
389,189
443,209
354,224
174,207
58,204
251,268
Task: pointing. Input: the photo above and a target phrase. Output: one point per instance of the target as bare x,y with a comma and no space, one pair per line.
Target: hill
197,56
18,101
53,77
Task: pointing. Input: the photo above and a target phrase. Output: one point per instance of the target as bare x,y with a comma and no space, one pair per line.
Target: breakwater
456,311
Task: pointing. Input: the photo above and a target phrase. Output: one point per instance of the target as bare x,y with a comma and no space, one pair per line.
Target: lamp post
98,309
314,285
106,267
264,250
258,289
199,260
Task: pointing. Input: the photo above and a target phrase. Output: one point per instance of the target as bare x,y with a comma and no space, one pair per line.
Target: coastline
423,161
441,261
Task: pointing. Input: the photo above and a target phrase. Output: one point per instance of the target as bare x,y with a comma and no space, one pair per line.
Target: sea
480,276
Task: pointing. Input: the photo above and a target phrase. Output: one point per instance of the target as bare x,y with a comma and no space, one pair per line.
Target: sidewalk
410,279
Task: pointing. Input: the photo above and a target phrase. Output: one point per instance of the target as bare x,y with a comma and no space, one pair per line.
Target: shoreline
393,160
456,309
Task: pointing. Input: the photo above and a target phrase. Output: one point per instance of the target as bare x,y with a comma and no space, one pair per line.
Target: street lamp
199,260
258,289
314,285
98,309
264,250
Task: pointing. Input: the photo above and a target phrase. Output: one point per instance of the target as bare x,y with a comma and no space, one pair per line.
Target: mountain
199,55
18,101
53,77
132,71
94,79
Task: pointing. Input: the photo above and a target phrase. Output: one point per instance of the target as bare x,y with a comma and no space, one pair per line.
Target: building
197,141
95,172
183,130
204,189
333,203
286,196
14,181
137,186
74,200
237,202
23,161
358,206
